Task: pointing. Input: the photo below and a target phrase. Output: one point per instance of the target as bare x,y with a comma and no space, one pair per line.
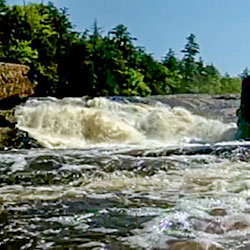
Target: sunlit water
124,175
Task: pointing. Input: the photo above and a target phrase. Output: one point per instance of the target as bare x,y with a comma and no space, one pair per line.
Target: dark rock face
12,137
5,122
15,138
11,101
244,111
245,100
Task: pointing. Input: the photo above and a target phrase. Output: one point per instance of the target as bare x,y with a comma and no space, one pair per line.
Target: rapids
80,123
127,173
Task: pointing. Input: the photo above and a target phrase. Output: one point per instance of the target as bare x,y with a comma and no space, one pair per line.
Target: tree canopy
69,63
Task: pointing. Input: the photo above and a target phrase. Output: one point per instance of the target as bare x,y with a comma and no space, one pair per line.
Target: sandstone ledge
14,80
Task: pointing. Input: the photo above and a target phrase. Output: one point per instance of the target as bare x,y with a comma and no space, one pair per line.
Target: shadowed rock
244,111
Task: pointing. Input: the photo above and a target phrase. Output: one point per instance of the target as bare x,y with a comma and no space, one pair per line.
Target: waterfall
80,123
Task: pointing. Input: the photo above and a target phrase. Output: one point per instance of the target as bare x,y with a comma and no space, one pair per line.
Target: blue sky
222,27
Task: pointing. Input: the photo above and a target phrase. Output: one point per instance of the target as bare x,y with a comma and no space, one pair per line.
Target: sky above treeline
222,27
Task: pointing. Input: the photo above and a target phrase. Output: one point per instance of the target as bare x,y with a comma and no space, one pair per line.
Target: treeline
69,63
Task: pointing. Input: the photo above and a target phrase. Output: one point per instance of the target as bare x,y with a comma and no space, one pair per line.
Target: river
127,173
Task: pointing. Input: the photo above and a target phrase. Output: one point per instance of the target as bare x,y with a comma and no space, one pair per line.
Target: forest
65,62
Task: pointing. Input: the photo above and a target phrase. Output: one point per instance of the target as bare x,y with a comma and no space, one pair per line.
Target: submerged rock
3,217
14,138
192,245
218,211
5,122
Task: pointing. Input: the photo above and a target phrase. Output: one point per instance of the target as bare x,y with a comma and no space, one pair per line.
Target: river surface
127,173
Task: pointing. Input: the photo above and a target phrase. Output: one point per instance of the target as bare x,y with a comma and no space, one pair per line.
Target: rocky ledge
15,88
15,80
10,136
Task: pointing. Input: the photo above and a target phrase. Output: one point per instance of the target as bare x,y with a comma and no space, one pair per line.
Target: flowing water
120,173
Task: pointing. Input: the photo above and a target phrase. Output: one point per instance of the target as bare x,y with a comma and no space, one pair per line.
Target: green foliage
191,49
67,63
133,84
37,35
170,61
230,85
245,73
189,66
23,52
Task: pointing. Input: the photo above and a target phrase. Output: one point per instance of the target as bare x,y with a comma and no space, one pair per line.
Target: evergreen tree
200,67
190,50
170,61
121,35
2,5
67,63
3,38
245,73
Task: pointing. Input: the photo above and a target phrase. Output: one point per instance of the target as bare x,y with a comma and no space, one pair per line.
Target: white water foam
76,123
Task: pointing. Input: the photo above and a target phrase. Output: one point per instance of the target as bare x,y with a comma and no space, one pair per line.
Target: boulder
15,80
14,138
15,87
243,112
192,245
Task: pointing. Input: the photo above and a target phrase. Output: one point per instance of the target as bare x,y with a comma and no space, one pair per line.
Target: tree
40,36
245,73
190,50
121,35
2,6
3,41
200,67
68,63
170,61
122,41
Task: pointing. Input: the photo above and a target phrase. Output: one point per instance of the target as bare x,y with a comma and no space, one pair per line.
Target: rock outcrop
244,111
14,81
15,87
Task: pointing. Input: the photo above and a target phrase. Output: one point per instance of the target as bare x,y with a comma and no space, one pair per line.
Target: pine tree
190,50
170,61
245,73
